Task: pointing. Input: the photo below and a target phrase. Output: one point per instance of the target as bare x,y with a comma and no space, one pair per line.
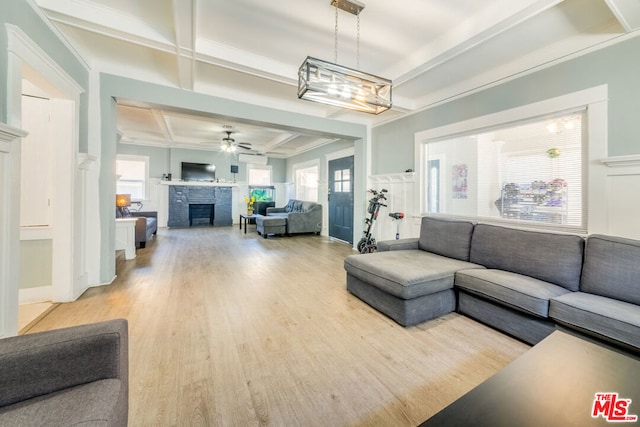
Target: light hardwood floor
232,329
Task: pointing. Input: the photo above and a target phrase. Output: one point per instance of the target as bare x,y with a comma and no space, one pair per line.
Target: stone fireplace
191,205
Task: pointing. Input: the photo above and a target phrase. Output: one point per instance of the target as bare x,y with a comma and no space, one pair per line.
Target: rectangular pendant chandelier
329,83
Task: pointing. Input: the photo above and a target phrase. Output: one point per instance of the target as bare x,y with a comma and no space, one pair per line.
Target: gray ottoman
266,225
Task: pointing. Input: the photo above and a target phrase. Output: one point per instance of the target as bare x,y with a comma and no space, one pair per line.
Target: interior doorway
51,228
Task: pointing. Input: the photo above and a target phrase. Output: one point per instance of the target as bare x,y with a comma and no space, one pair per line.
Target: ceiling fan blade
244,147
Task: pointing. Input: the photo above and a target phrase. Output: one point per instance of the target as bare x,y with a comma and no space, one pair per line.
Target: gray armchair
71,376
146,226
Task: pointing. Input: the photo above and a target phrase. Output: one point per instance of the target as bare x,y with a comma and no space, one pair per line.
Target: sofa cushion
94,404
271,220
449,238
515,290
297,206
278,214
407,273
554,258
604,316
612,268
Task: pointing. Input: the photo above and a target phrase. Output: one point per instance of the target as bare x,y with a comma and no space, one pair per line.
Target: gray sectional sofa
301,216
524,283
71,376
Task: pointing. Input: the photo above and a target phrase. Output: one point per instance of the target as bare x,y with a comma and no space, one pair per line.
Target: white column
9,228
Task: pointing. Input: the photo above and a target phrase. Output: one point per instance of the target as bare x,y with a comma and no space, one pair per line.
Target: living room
600,78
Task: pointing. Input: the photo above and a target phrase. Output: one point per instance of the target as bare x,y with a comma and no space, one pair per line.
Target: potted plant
250,202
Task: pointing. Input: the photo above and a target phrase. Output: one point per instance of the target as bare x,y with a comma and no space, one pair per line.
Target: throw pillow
289,206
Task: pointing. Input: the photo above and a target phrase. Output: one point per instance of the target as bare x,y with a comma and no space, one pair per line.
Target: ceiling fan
229,145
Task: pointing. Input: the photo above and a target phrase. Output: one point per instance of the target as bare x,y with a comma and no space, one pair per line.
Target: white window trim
136,158
305,165
594,99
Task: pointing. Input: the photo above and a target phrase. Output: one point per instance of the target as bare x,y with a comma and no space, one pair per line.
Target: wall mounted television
198,172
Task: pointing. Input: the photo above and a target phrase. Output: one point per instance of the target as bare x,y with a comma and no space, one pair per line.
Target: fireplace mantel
200,183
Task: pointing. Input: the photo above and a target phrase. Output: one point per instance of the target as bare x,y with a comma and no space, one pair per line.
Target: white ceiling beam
314,144
496,19
276,142
164,126
184,24
235,59
107,22
627,12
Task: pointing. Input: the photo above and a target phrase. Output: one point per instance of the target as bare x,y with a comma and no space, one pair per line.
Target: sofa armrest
41,363
141,229
305,222
275,210
398,245
146,214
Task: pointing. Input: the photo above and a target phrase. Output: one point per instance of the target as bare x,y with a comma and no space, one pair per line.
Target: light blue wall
617,66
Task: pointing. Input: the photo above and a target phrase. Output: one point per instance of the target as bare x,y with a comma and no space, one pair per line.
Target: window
307,183
132,172
530,172
342,181
259,175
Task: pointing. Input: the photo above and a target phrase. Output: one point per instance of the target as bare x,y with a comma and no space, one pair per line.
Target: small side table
251,219
126,236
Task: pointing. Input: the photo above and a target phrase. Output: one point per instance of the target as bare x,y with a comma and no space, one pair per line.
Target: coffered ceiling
250,50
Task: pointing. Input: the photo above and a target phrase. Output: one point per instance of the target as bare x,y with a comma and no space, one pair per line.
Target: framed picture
459,181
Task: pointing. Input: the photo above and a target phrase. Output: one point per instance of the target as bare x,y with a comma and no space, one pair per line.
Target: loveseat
72,376
524,283
301,216
146,225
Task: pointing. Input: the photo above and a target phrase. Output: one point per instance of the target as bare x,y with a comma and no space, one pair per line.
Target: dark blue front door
341,199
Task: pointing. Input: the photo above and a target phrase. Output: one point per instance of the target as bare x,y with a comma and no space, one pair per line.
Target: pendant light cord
358,44
335,43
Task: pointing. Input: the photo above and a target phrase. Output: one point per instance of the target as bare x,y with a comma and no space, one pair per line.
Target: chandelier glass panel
333,84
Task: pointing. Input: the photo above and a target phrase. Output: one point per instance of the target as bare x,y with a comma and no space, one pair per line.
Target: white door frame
9,228
25,55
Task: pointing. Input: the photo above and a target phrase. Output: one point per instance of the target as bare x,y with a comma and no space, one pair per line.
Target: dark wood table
250,218
554,384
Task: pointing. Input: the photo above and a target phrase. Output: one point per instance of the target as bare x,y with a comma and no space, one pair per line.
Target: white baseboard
35,295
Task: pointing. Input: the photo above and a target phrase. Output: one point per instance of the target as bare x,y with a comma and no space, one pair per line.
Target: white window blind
529,173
